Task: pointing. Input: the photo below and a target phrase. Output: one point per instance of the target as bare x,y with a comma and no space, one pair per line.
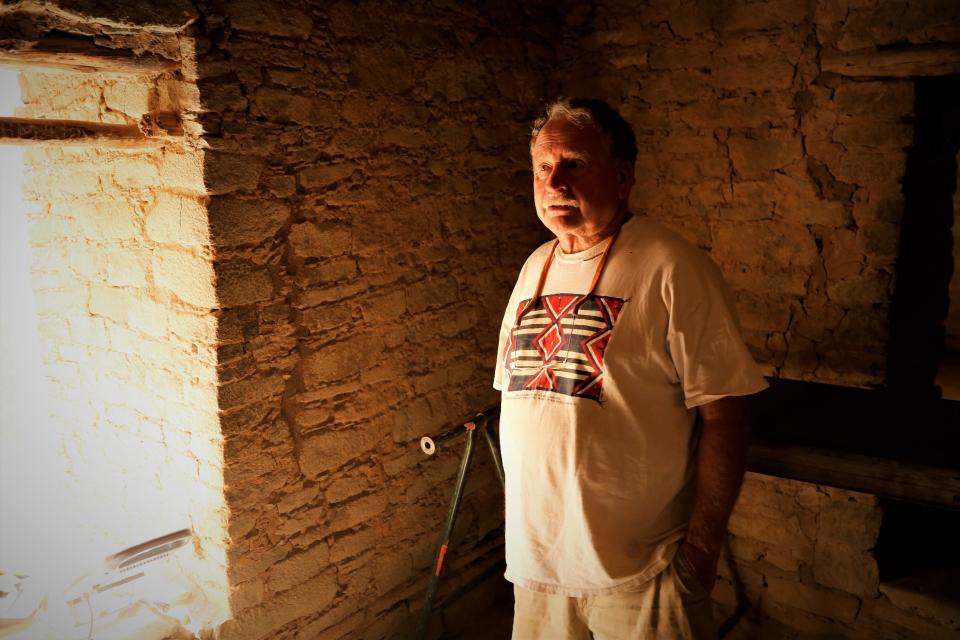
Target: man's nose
556,179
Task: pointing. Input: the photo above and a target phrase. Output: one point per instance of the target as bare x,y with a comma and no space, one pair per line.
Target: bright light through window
112,514
9,91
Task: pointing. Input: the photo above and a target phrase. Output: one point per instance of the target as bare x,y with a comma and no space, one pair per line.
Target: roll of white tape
427,446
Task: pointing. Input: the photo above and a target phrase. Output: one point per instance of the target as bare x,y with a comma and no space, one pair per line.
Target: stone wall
363,202
366,193
758,142
369,209
124,288
800,564
770,135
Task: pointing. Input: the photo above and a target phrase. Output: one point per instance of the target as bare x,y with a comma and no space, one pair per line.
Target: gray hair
583,111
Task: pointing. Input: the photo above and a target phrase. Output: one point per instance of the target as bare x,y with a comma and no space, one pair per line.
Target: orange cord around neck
546,268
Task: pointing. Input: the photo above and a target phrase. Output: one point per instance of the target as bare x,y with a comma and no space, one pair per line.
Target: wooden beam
22,131
81,54
879,476
900,62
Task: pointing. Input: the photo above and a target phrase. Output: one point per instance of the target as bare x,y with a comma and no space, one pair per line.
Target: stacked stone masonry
123,282
799,564
789,175
365,207
368,181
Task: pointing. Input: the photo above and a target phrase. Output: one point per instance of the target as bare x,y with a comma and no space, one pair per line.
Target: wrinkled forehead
564,137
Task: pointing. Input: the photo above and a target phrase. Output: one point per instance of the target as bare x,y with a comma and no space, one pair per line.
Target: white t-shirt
599,398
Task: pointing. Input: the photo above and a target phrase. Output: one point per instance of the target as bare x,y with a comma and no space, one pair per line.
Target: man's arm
721,460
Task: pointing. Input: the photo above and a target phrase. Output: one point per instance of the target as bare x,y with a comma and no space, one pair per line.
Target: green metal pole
494,451
447,531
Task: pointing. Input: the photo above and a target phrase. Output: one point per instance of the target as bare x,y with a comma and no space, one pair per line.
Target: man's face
578,188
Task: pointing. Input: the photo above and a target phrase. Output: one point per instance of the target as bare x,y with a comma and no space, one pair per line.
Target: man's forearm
721,461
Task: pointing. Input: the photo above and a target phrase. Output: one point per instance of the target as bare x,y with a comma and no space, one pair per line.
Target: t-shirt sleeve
703,334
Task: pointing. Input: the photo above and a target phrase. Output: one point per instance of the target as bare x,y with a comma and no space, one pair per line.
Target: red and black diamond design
557,344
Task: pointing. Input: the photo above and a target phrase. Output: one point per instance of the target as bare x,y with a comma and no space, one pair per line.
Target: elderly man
623,419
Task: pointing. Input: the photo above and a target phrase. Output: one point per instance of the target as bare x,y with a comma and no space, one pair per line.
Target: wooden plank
879,476
901,62
32,131
81,54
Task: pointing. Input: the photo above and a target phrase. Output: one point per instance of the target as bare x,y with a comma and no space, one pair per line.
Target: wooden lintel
900,62
22,131
868,474
81,54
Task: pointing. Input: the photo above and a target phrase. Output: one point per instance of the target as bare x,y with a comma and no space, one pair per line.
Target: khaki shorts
671,606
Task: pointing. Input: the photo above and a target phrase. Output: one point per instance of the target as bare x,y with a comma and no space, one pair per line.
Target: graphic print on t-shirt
557,344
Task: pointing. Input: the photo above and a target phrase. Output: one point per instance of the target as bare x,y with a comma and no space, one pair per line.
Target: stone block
176,219
930,595
311,241
180,171
298,498
874,133
186,275
339,621
879,239
407,137
311,418
246,595
352,543
838,566
255,563
286,21
758,256
878,204
101,220
886,99
339,360
325,175
795,198
774,15
109,302
126,268
863,329
248,391
851,517
328,450
298,568
346,488
239,221
793,623
871,287
753,158
865,166
281,186
753,73
842,257
391,569
359,511
384,308
456,80
828,603
149,317
226,172
361,110
672,86
277,611
691,54
282,105
129,98
881,618
241,282
431,293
